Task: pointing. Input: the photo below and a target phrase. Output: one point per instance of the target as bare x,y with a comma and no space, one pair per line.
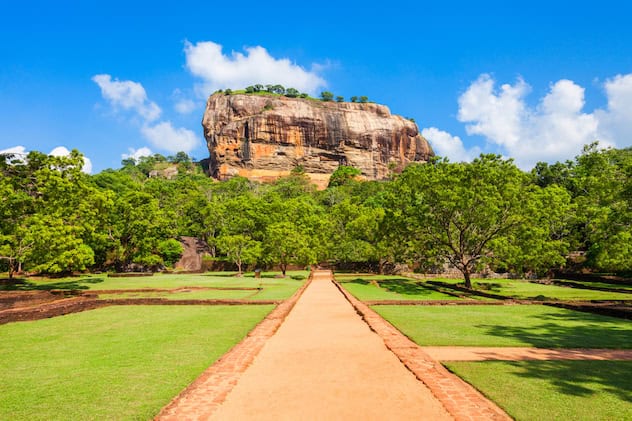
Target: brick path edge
459,398
202,397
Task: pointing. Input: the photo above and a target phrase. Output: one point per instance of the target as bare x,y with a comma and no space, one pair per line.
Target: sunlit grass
503,325
122,362
523,289
273,288
554,390
383,287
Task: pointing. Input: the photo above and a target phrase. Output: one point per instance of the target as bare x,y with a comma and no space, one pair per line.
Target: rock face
264,137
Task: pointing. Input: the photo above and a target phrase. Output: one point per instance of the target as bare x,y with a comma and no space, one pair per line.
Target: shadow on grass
398,286
26,285
581,378
405,287
591,331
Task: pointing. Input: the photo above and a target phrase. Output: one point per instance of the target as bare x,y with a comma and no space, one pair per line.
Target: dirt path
464,353
325,363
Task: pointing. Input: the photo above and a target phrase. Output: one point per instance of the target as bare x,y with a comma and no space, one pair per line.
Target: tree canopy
483,215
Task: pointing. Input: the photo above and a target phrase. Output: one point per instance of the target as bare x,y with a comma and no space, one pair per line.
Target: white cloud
136,154
131,95
164,136
616,121
19,150
185,106
236,71
446,145
63,151
496,116
19,153
556,129
127,95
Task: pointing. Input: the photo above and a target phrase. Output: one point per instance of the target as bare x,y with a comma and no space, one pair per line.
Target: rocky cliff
264,137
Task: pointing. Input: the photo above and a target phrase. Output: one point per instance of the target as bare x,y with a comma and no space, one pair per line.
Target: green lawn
523,289
113,363
274,288
205,294
508,325
554,390
602,284
390,288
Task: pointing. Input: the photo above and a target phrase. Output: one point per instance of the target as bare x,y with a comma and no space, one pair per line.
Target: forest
486,215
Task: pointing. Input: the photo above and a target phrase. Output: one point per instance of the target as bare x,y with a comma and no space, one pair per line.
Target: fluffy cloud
165,136
131,95
136,154
555,129
616,120
19,154
185,106
236,70
127,95
63,151
58,151
18,150
496,116
446,145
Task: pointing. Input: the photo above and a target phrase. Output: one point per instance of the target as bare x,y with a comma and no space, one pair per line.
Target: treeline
291,93
487,214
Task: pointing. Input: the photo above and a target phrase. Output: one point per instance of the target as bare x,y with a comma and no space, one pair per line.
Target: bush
326,96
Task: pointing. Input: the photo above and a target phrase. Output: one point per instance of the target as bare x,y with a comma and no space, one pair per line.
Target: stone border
459,398
202,397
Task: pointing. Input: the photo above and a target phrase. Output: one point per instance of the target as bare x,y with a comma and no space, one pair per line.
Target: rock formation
263,137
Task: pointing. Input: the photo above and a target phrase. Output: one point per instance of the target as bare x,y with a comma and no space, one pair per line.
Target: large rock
264,137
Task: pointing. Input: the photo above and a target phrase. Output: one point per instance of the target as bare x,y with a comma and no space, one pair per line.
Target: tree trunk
283,269
239,267
466,276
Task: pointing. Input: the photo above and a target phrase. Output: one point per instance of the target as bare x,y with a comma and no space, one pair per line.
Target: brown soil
463,353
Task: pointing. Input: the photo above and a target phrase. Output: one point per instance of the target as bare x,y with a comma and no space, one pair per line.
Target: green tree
285,245
602,185
455,211
326,96
340,99
343,175
292,93
240,249
170,250
354,99
364,99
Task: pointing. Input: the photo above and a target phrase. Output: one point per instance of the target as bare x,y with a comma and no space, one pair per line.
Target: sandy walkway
325,363
465,353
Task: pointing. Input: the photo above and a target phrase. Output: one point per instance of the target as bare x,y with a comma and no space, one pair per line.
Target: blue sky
533,81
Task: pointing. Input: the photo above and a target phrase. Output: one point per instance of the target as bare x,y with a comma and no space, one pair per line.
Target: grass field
273,288
211,294
504,325
523,289
113,363
603,284
389,288
554,390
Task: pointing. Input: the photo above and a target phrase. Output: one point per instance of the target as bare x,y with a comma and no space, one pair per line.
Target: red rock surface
264,137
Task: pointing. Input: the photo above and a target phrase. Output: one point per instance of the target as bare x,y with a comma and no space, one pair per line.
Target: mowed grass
272,288
526,290
554,390
205,294
382,287
122,362
508,325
